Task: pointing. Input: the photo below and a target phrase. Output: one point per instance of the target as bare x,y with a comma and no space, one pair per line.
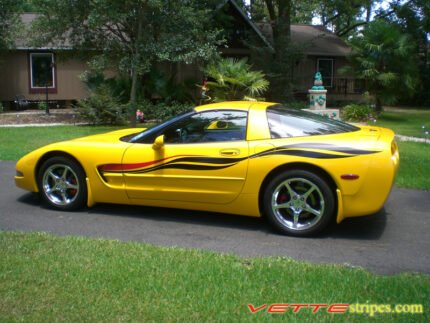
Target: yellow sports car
297,169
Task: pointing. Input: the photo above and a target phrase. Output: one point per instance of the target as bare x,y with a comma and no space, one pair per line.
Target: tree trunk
368,11
378,105
134,74
280,82
133,92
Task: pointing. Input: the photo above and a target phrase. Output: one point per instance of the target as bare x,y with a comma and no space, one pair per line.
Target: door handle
229,152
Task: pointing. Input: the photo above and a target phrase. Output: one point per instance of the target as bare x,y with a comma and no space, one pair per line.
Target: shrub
41,105
358,113
101,107
165,88
163,111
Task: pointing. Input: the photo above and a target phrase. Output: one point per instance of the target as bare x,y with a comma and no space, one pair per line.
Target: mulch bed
64,116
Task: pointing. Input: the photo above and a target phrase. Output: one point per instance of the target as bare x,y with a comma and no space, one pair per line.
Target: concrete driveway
394,240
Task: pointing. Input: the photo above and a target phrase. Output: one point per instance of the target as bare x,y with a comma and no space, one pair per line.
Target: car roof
235,105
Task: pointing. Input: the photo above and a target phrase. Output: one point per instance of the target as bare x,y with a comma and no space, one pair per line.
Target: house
38,73
327,53
52,73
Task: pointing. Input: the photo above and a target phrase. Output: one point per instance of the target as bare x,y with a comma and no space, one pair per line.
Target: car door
202,158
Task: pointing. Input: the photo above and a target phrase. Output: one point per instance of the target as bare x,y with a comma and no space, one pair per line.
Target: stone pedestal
317,99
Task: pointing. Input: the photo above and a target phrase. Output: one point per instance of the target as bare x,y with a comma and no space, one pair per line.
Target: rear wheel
62,183
299,202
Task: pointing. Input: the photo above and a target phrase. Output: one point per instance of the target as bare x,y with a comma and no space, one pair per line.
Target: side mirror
158,143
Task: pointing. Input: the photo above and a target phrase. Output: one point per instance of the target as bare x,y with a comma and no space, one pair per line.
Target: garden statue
318,82
318,98
317,94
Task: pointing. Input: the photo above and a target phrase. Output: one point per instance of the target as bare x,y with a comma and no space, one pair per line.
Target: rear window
285,123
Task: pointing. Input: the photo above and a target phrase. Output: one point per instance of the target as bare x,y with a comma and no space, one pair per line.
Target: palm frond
233,79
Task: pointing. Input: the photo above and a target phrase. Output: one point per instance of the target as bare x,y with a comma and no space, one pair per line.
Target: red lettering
297,307
277,308
338,308
317,307
254,309
282,308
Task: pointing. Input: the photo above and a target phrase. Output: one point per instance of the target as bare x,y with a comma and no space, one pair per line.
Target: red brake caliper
73,191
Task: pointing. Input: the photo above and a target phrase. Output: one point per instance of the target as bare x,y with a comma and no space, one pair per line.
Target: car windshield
138,137
285,122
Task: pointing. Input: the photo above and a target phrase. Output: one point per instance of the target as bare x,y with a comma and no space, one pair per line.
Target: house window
325,67
42,73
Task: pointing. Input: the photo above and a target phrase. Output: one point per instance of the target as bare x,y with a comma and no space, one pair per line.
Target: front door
204,159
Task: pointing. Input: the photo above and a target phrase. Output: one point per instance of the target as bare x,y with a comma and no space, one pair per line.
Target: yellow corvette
299,170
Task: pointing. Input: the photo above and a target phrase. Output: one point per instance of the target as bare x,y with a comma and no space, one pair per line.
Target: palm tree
384,58
232,79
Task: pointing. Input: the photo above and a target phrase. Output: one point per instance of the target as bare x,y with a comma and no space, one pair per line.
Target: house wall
303,74
345,86
15,78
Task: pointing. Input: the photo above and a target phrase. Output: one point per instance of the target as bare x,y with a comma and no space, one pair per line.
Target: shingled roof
319,41
23,42
316,40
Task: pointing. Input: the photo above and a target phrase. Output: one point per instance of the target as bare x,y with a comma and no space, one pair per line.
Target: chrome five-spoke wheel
299,202
62,183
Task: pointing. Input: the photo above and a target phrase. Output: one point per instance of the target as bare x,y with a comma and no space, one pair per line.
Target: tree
344,17
234,80
9,22
384,57
277,62
302,11
414,19
279,65
131,35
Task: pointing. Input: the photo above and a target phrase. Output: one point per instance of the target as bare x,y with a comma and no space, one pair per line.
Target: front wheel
62,183
299,203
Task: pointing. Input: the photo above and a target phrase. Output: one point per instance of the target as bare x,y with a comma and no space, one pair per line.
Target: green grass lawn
16,142
414,169
47,278
407,122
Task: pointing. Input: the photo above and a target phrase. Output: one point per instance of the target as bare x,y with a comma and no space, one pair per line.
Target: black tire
299,202
62,184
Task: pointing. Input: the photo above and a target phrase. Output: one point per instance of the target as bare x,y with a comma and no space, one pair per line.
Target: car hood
109,137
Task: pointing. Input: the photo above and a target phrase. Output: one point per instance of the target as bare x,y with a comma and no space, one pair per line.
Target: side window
42,73
209,126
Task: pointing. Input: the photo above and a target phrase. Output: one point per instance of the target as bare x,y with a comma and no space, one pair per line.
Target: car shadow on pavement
361,228
183,216
30,199
370,227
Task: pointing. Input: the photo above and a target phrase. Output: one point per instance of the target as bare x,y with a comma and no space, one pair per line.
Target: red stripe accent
126,167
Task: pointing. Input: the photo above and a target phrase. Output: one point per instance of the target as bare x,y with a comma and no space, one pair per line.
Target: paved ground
394,240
